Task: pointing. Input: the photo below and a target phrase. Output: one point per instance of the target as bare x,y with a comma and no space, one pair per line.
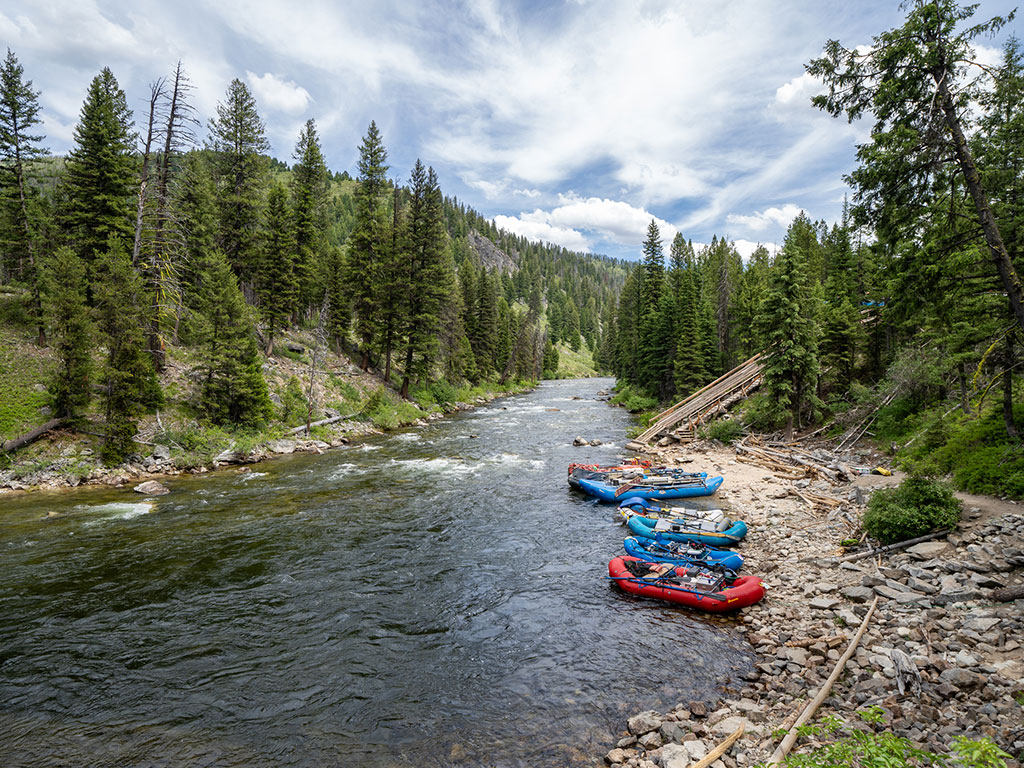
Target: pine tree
339,319
233,388
68,315
19,152
278,284
369,240
309,203
550,365
196,202
239,143
130,384
788,323
655,351
424,251
100,175
485,327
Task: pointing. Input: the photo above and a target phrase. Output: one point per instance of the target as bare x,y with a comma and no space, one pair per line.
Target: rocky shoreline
77,464
939,658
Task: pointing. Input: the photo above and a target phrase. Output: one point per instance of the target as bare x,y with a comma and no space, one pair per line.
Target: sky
574,122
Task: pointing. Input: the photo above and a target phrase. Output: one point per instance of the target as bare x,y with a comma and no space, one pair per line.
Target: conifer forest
165,237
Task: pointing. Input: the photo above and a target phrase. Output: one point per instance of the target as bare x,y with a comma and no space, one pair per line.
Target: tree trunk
1008,358
997,248
17,442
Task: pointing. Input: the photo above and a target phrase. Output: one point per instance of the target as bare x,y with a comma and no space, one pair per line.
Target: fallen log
29,437
1008,594
787,743
891,547
718,751
320,423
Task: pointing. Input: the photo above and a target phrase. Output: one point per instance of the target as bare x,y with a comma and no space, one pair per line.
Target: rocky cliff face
489,255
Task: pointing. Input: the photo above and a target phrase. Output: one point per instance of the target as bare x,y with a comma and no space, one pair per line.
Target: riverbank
934,609
70,459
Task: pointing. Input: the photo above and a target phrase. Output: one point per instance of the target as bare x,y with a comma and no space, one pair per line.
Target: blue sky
574,122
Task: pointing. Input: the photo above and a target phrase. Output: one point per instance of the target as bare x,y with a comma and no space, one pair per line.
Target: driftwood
787,743
891,547
830,642
720,750
1008,594
322,422
907,674
18,442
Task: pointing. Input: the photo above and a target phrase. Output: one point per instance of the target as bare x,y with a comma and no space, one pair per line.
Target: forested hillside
160,237
909,309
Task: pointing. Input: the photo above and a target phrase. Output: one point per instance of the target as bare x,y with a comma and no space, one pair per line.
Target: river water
435,597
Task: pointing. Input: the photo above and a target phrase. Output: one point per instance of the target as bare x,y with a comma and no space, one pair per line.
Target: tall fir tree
63,280
233,390
277,280
424,250
129,382
239,145
309,204
99,178
369,241
19,154
789,325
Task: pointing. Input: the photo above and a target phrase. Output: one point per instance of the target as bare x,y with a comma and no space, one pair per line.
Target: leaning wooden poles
787,743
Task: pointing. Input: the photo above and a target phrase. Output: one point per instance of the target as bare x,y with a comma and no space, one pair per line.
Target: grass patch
575,365
23,370
726,431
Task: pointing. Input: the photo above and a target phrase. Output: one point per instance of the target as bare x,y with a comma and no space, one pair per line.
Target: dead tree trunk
18,442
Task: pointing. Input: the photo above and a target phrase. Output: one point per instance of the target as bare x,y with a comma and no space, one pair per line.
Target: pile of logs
788,461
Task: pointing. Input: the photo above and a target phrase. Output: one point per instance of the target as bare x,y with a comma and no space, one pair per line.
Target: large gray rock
644,722
161,452
152,488
929,549
675,755
858,594
282,446
963,679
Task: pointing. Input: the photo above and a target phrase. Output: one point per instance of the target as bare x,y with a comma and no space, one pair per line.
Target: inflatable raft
634,505
704,589
717,534
680,553
610,488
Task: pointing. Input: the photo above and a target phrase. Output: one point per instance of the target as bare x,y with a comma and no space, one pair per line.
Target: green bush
726,431
633,401
294,405
388,411
916,507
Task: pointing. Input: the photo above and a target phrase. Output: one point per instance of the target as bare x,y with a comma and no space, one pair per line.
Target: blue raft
649,489
678,553
706,532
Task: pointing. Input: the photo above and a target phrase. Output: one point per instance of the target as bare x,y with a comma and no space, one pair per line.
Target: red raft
693,586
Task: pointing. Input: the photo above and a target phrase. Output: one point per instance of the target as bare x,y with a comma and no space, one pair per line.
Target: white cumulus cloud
274,93
759,221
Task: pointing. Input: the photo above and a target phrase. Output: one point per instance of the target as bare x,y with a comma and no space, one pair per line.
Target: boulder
152,488
644,722
676,755
962,679
578,440
161,453
615,757
282,446
926,550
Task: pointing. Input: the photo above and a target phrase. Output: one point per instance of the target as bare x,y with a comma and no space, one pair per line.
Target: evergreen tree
788,323
278,284
571,331
339,319
656,346
369,240
68,315
100,172
19,152
550,365
196,202
309,203
747,301
427,271
233,390
485,327
239,143
130,384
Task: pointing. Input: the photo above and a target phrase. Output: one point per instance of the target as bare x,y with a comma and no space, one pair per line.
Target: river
435,597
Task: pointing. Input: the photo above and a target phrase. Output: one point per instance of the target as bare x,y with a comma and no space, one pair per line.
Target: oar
676,587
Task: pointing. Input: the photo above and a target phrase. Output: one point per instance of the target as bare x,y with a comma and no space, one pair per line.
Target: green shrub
294,405
633,401
388,411
916,507
724,430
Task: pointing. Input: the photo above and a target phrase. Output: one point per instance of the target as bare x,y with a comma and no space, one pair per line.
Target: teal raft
649,487
716,534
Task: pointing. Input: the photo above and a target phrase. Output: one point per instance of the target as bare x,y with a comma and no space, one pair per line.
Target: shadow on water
435,597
